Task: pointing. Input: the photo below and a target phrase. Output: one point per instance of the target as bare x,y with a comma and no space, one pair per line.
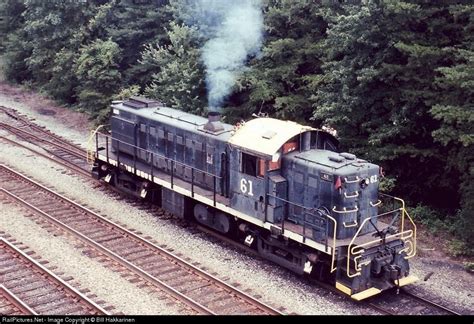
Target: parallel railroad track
22,122
143,260
59,152
63,152
28,288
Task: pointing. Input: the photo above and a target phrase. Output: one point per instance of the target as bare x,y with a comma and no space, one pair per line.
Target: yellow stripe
343,288
407,280
366,294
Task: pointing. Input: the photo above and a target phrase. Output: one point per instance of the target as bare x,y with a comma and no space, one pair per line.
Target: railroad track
144,261
61,153
408,303
58,149
405,303
10,304
28,288
20,121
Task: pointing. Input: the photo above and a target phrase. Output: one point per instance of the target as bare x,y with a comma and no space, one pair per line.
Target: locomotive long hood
265,136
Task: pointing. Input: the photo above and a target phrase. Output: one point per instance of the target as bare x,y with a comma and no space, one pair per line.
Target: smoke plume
234,29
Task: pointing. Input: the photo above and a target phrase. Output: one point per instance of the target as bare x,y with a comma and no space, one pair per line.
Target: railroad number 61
244,188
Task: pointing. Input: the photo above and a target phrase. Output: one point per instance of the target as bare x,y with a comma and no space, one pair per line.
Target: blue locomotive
280,187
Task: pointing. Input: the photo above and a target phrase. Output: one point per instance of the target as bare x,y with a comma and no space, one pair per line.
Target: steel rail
54,278
73,150
193,304
430,302
64,162
17,302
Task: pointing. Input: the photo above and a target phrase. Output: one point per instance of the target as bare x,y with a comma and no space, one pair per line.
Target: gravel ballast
102,282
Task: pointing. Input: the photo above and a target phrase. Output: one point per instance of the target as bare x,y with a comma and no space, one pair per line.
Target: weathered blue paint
302,190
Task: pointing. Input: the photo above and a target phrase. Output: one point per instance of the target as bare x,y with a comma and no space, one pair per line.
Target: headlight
364,183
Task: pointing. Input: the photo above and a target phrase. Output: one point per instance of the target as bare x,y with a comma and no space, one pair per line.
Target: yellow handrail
410,249
90,151
403,214
408,256
333,268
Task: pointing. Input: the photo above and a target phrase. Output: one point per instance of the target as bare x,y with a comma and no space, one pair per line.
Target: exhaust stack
214,124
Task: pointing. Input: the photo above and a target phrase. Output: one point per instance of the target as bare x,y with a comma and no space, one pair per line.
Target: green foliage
381,64
132,91
11,20
387,184
469,266
279,81
454,110
179,83
97,68
12,40
460,248
49,25
133,25
438,222
433,219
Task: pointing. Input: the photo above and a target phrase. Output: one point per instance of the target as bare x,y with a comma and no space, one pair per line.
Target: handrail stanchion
214,177
152,167
327,236
107,149
304,226
172,174
96,145
135,160
192,182
118,154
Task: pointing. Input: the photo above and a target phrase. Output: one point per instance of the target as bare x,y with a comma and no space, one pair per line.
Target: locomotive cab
259,185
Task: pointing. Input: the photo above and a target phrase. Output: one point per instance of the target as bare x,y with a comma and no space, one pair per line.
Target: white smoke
235,35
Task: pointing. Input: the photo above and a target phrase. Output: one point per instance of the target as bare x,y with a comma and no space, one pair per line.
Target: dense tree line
395,78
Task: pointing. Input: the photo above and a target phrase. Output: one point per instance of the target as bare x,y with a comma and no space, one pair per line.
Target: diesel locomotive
280,187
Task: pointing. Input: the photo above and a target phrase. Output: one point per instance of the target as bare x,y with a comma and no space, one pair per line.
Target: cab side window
248,164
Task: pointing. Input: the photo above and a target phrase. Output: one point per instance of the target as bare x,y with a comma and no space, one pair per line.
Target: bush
469,267
437,222
459,248
429,217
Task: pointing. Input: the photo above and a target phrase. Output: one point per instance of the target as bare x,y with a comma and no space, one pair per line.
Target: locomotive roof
265,136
